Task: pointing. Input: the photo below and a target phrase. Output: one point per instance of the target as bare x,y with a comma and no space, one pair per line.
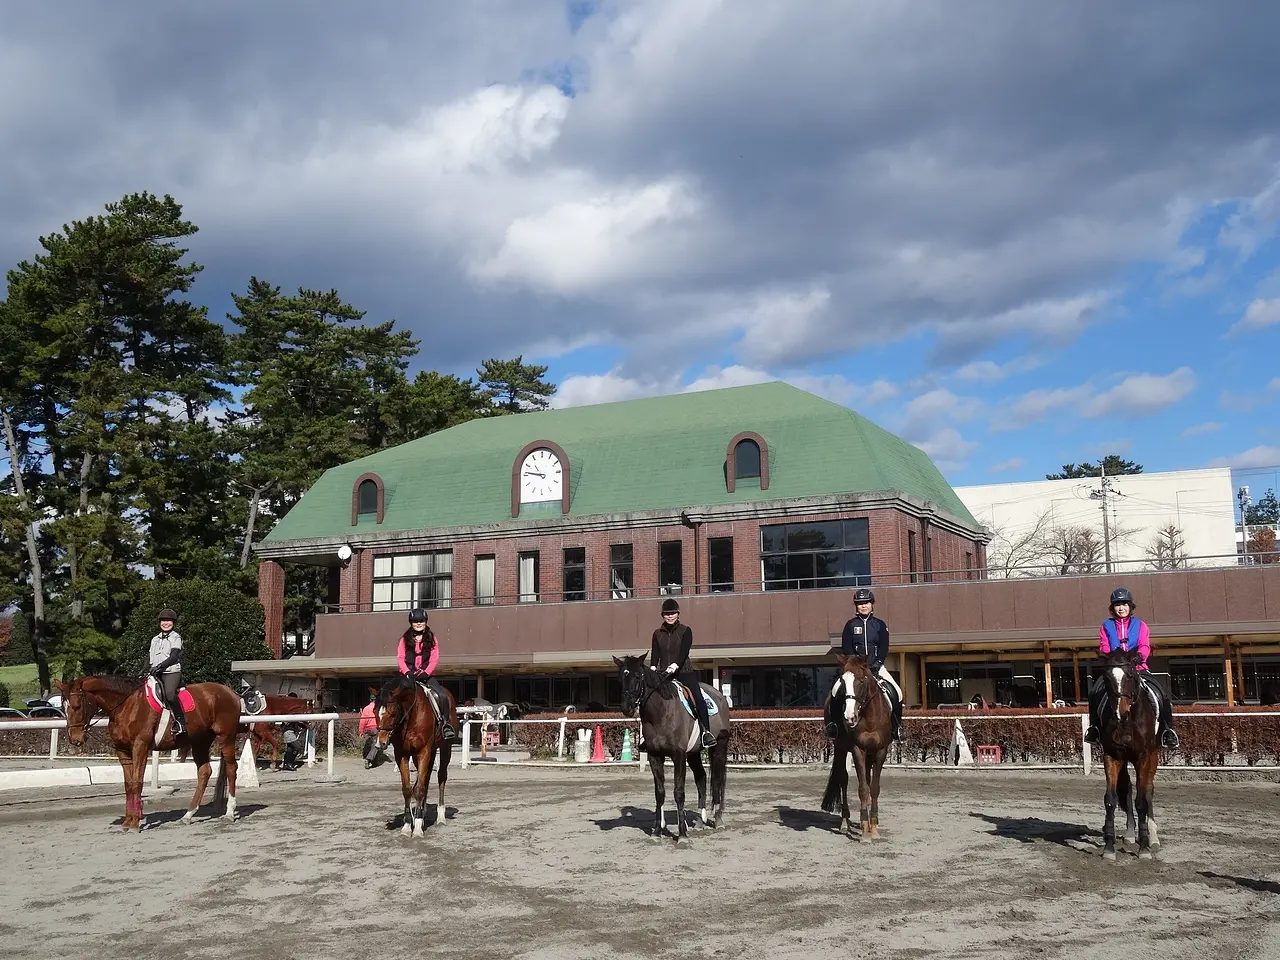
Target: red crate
986,753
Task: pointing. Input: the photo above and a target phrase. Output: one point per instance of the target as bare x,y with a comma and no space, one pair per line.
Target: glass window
484,580
528,577
367,499
911,555
670,565
620,567
720,551
800,556
575,573
406,580
746,459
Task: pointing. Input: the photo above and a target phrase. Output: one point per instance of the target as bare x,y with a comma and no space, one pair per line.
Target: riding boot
897,721
1168,737
830,728
704,721
179,719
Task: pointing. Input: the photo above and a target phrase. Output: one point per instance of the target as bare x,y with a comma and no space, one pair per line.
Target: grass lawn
22,681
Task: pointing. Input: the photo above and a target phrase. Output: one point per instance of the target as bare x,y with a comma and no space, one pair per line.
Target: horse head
637,682
1121,675
855,675
395,700
83,697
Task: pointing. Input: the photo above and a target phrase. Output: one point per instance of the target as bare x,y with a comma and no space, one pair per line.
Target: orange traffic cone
597,755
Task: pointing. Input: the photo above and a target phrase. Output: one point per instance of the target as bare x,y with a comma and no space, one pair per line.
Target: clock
541,477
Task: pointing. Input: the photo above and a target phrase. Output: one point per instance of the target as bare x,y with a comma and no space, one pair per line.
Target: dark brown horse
1128,734
264,734
132,729
866,730
407,721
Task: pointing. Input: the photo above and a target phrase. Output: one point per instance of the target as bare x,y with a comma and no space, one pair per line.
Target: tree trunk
33,553
248,527
73,548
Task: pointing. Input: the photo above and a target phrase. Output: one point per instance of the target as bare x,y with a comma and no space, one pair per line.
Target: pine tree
516,386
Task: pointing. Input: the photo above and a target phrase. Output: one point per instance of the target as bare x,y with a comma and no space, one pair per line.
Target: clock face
541,477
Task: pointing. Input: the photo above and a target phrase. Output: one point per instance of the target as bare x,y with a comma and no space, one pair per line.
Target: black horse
667,730
1129,729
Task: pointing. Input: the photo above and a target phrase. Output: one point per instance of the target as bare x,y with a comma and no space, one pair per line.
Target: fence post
331,723
155,769
53,744
560,742
311,746
1086,749
466,744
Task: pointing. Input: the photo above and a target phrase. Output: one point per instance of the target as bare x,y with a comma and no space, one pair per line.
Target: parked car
12,713
46,713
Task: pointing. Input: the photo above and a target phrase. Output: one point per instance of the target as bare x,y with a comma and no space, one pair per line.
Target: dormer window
746,459
367,499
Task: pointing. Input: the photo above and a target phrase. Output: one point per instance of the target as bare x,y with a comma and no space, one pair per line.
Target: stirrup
447,732
709,739
1169,739
832,730
1091,735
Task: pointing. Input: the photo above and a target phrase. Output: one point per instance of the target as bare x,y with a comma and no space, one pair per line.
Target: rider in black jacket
670,655
867,636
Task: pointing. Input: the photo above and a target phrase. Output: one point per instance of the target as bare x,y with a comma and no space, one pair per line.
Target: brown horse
132,730
1127,728
866,730
264,734
407,721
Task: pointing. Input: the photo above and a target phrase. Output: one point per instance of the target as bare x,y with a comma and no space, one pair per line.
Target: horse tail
831,799
220,785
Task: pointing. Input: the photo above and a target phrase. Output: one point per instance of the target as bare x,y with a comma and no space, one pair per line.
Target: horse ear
61,686
617,661
643,657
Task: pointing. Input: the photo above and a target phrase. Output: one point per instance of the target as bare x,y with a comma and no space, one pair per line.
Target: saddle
252,700
686,701
155,698
436,705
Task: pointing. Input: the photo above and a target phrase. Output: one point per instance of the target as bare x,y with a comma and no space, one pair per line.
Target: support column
924,684
480,687
1240,674
271,596
1226,668
1048,678
1075,667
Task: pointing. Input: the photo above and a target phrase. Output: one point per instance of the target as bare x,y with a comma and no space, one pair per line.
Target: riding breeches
171,683
691,681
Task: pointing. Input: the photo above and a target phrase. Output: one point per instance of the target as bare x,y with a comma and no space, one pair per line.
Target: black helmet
1121,595
864,596
670,605
417,615
168,614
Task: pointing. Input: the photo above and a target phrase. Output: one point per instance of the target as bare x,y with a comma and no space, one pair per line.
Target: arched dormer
540,474
747,457
367,498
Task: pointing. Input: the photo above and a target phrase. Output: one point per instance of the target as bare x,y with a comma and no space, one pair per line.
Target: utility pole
1242,495
1101,494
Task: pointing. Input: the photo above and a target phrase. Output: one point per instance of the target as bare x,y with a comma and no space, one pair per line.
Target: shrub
4,695
218,624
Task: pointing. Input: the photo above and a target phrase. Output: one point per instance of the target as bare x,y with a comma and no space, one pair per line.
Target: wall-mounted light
344,554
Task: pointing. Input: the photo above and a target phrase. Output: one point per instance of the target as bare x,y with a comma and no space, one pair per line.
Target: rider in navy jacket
867,636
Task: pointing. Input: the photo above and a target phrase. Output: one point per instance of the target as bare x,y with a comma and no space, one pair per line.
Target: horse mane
114,683
392,688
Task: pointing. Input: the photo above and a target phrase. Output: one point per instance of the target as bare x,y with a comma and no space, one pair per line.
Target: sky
1015,234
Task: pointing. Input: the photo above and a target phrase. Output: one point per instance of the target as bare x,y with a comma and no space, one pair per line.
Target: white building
1058,524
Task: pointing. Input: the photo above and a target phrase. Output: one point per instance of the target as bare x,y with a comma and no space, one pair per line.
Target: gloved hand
671,669
875,668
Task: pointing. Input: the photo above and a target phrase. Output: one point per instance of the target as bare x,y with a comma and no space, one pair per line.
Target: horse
407,721
668,730
1128,733
262,734
133,724
865,732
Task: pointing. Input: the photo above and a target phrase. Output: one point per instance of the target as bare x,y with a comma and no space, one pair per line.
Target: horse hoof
188,818
407,830
864,838
1144,854
1108,855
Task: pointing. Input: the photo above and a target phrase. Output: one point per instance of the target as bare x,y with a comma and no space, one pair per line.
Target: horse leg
425,756
1148,835
229,770
132,791
1112,767
864,794
719,769
680,762
1124,799
446,752
656,765
200,754
877,763
402,762
700,781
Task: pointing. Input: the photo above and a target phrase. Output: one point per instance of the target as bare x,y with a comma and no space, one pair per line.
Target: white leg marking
407,829
702,812
439,813
231,808
1153,833
189,816
417,826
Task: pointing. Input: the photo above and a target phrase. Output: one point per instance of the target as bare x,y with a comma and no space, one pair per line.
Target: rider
868,636
166,665
418,653
670,654
1123,631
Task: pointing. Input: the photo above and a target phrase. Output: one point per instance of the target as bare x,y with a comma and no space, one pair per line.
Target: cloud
988,371
1119,447
1240,402
1255,223
1006,466
1200,429
947,449
1142,394
1034,405
1262,456
1260,313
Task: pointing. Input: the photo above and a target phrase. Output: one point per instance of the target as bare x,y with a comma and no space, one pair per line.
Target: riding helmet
168,614
417,615
670,605
864,596
1121,595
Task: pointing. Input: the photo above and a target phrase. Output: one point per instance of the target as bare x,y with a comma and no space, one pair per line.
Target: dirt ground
556,864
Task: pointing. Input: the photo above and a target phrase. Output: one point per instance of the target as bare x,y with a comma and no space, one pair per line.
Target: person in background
368,726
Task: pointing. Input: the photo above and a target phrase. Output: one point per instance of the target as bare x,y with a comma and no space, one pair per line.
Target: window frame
415,582
731,460
565,568
356,515
714,585
628,590
794,559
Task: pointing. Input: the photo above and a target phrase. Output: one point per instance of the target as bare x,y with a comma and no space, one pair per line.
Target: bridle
401,715
630,684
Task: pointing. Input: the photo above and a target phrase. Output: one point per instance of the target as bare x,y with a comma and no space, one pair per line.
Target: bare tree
1020,554
1167,549
1075,549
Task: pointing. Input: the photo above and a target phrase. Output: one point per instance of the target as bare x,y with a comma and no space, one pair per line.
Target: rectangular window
484,580
968,565
911,556
720,554
402,581
575,573
620,580
670,566
801,556
529,577
928,559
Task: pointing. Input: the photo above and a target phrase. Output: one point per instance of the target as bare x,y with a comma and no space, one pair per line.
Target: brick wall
271,596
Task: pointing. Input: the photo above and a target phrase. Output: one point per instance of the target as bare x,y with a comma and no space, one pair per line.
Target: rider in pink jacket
1123,631
417,655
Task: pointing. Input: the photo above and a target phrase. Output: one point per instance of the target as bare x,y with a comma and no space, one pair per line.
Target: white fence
960,751
249,720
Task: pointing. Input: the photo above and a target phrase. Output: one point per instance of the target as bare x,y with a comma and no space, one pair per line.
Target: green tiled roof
660,453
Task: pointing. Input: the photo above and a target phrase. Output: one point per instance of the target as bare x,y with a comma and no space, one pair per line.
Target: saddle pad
153,697
686,700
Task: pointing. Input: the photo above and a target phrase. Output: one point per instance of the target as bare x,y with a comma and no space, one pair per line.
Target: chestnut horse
866,730
407,721
262,734
1128,733
132,729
